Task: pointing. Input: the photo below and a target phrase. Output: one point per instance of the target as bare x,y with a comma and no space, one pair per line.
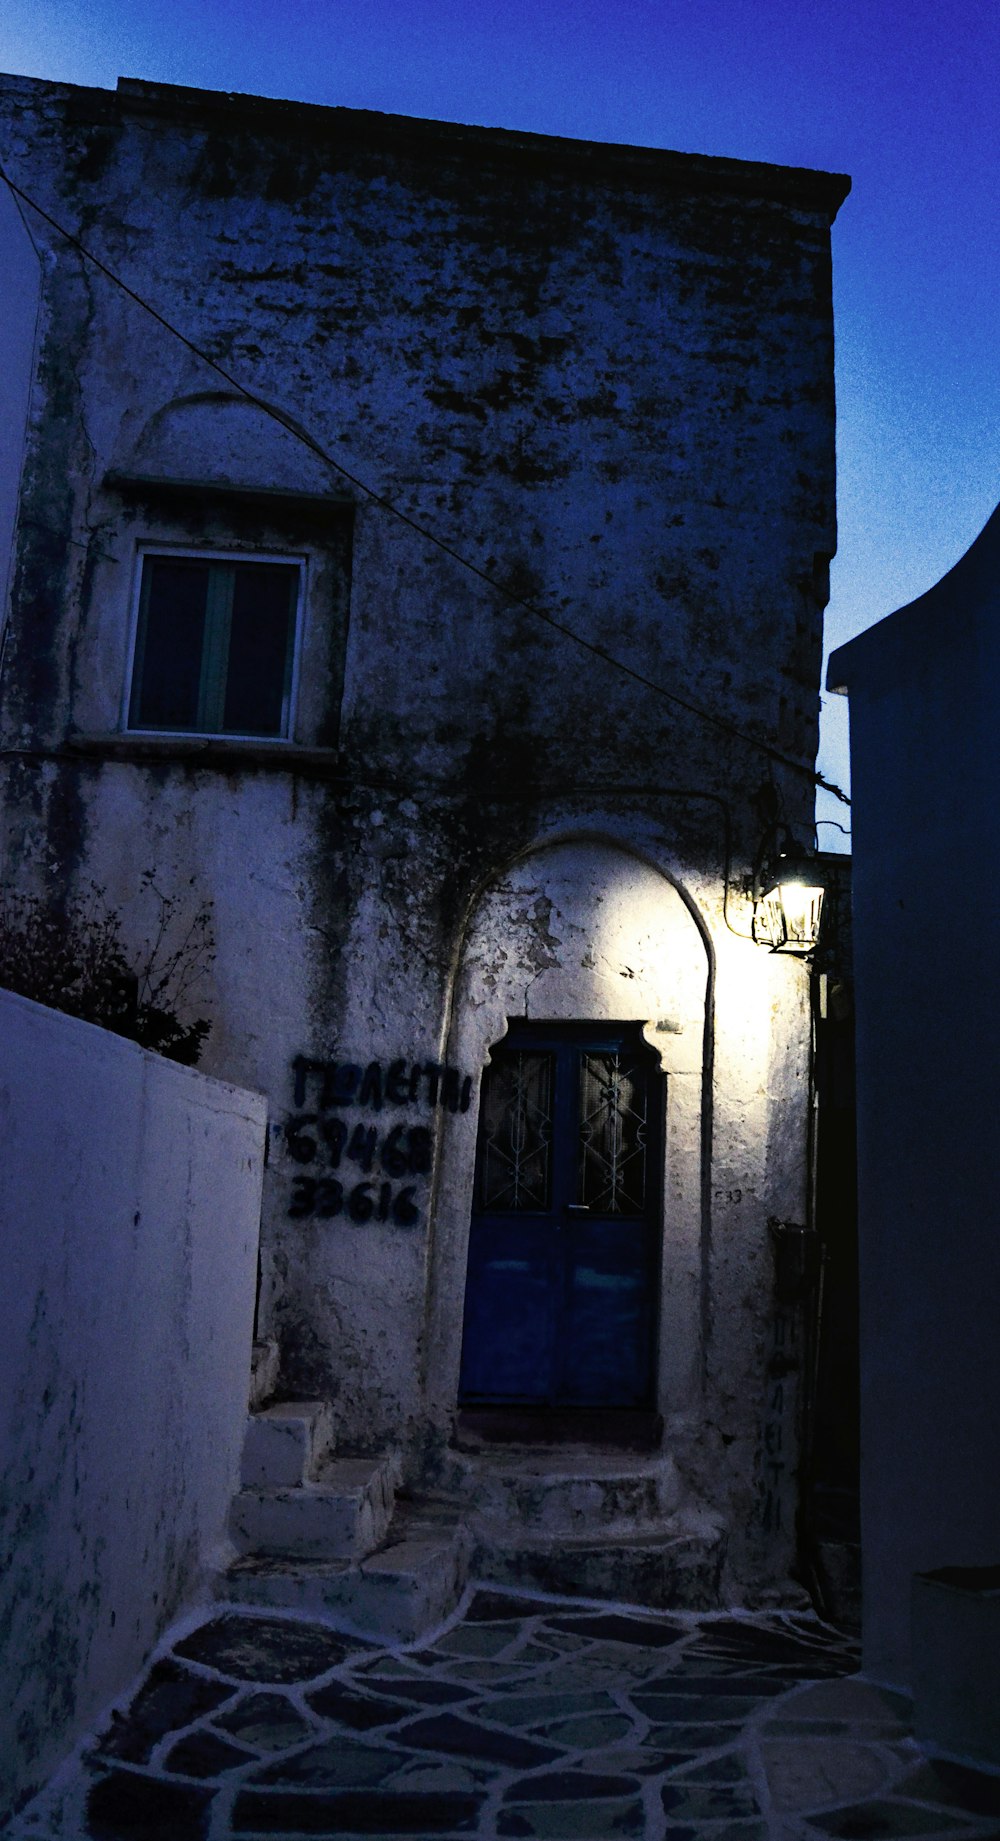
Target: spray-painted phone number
380,1157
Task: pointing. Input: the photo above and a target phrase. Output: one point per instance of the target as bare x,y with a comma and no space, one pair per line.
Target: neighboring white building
923,685
467,877
120,1424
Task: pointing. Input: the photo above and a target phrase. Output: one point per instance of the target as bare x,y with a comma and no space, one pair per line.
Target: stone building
303,561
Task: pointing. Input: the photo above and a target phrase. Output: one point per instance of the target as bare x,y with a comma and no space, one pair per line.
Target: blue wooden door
560,1303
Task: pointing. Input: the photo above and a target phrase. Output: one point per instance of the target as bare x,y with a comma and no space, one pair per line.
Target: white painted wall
19,295
924,687
130,1204
607,379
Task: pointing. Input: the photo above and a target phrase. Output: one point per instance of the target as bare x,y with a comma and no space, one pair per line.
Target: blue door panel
606,1344
508,1343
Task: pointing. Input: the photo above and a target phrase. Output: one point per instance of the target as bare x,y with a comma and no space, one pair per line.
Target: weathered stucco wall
603,375
129,1196
21,272
924,686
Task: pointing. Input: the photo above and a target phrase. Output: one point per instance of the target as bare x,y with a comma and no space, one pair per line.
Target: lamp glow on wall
788,902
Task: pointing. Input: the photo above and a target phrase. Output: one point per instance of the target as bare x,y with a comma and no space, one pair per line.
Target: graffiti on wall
778,1495
363,1168
798,1261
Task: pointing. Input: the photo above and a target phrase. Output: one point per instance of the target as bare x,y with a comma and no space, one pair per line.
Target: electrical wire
422,530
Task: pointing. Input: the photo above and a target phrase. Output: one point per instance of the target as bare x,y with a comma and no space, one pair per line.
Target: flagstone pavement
522,1716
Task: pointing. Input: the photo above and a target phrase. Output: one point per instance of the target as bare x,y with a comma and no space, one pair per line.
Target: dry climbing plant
72,956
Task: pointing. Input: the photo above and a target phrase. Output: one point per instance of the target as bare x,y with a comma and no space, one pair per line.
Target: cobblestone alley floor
521,1717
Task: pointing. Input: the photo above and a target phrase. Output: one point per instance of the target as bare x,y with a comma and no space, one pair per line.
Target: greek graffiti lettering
382,1155
332,1084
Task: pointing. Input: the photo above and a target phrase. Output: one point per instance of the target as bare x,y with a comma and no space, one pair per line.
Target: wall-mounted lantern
788,901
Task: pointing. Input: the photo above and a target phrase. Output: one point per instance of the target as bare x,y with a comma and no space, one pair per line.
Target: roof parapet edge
805,186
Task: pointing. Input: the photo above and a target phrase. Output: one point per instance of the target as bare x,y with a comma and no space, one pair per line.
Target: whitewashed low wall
129,1207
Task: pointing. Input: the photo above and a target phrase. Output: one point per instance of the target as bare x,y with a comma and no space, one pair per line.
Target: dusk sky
904,98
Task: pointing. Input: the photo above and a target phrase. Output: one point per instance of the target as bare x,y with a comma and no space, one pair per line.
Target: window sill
221,752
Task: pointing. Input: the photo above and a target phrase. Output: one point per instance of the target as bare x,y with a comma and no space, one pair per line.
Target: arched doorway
582,951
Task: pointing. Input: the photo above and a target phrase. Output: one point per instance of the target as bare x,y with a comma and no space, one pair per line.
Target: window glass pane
515,1148
169,644
614,1100
260,644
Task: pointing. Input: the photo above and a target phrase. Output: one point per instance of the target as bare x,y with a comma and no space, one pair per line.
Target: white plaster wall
608,918
924,687
19,297
254,868
130,1200
416,337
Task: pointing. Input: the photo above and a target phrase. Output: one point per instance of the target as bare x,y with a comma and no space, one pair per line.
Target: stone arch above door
584,929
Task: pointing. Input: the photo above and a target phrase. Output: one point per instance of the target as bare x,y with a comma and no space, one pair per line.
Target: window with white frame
215,643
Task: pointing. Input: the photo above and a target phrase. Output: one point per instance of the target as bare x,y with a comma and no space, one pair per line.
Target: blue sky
904,97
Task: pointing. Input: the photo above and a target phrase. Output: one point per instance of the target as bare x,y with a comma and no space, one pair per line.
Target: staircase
589,1522
317,1531
320,1531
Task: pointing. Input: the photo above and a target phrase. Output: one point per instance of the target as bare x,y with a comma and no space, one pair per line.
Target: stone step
343,1515
413,1582
676,1565
286,1444
265,1361
569,1494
